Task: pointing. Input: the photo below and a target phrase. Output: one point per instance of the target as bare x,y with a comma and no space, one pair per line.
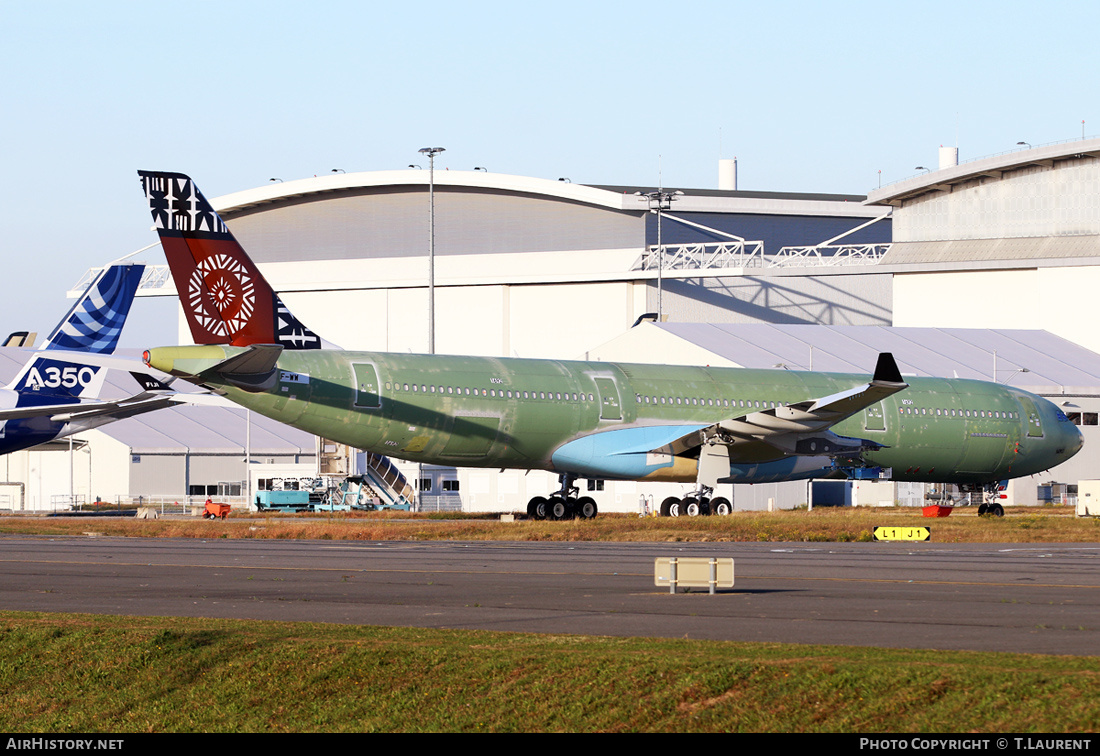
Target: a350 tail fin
92,325
224,296
95,322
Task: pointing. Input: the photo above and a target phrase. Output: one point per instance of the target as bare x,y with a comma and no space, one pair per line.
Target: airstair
381,486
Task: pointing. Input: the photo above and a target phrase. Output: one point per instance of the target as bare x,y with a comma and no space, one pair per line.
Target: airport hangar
539,268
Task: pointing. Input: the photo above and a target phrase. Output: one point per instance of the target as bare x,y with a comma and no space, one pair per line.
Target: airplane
699,425
56,392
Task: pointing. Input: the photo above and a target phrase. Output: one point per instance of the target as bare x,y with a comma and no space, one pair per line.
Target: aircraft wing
117,409
798,429
801,428
154,395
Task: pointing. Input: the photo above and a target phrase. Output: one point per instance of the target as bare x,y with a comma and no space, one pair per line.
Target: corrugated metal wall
174,474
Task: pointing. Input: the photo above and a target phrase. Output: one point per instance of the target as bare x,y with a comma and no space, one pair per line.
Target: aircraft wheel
982,509
997,510
676,508
536,508
666,506
558,508
720,506
704,507
690,507
586,508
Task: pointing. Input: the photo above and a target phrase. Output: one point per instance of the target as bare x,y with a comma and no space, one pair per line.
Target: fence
439,503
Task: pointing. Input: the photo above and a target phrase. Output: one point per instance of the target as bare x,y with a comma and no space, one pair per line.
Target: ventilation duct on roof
727,174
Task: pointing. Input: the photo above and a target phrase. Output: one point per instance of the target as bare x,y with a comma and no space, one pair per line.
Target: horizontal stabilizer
149,383
117,409
256,360
196,364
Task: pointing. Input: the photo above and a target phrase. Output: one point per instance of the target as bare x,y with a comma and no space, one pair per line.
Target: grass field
1031,525
80,673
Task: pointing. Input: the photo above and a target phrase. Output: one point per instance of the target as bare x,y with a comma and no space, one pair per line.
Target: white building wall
111,463
50,476
501,320
1060,300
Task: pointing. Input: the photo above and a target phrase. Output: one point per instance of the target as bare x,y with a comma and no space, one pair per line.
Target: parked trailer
283,501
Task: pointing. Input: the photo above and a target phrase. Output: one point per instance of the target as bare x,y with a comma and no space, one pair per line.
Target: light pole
431,152
659,201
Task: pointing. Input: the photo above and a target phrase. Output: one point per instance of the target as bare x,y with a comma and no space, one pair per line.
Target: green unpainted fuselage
517,413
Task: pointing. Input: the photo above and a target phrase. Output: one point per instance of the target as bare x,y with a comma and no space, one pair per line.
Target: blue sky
815,97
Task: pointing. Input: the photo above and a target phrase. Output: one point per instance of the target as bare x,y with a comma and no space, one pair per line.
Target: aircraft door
610,404
367,394
874,418
1034,422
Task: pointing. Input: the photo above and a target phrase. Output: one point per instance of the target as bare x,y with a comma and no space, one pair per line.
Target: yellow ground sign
920,533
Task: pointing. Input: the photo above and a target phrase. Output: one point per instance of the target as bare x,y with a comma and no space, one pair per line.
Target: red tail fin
224,296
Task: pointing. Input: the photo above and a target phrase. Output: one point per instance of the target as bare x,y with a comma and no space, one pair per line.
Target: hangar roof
209,430
418,179
610,197
992,167
1036,361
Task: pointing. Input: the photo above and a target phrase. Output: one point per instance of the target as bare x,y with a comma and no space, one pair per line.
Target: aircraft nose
1069,438
1075,441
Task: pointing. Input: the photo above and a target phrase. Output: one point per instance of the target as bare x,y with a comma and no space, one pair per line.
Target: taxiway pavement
1004,597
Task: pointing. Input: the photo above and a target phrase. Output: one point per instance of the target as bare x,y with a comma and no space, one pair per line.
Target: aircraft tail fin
93,325
95,322
21,339
225,298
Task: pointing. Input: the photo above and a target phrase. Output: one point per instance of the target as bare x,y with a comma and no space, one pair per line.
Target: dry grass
1021,525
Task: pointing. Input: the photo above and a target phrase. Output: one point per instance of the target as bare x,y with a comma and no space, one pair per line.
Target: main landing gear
563,504
695,504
